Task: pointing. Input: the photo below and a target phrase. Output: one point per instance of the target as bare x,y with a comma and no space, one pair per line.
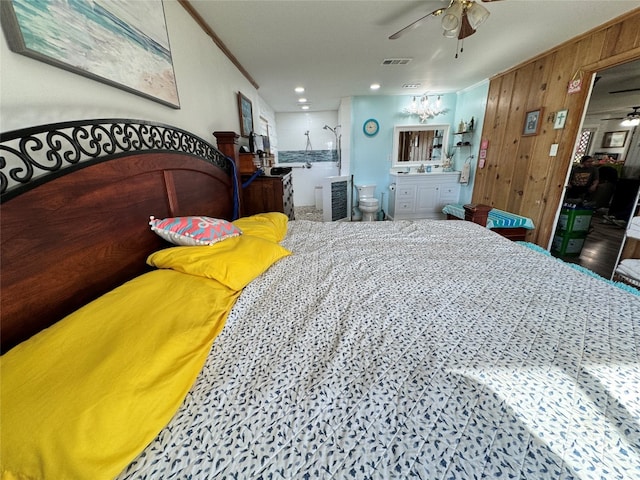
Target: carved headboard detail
75,204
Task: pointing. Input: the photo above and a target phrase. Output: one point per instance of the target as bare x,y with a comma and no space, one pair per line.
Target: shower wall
293,151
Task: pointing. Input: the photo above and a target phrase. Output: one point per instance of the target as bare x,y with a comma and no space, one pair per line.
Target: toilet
368,204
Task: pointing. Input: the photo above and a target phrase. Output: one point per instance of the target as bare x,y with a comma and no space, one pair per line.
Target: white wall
305,181
602,127
291,136
292,128
33,93
344,119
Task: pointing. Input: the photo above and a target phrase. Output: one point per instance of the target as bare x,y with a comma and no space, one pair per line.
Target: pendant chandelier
424,108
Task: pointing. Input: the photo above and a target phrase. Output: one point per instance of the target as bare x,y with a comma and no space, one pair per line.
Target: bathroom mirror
418,144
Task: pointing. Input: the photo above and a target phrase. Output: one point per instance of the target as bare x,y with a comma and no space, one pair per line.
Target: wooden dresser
270,193
273,193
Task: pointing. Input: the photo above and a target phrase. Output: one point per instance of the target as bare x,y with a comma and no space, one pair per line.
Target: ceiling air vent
396,61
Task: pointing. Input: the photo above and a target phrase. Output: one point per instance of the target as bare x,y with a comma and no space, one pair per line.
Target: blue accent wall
472,102
371,156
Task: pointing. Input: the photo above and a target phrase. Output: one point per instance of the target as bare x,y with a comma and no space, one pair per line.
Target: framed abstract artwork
121,43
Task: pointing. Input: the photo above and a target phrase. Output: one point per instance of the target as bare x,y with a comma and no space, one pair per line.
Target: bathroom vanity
422,195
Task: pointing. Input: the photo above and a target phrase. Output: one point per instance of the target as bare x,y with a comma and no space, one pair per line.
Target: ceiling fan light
477,14
630,122
451,33
452,17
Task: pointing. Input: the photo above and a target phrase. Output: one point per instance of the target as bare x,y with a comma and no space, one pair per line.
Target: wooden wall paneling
497,117
510,142
519,175
502,164
593,47
569,59
563,65
534,81
620,38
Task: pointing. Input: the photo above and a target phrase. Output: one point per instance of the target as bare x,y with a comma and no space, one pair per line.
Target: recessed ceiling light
302,100
299,89
305,107
375,86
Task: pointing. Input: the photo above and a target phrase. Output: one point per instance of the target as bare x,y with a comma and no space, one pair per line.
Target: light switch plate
553,151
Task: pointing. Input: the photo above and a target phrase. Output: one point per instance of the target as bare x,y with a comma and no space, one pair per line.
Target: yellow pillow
84,397
270,226
234,262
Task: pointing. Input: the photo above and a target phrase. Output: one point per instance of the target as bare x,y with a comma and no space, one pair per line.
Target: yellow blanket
84,397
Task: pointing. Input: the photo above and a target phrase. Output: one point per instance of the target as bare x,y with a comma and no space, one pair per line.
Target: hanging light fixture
461,19
424,108
452,19
633,118
477,14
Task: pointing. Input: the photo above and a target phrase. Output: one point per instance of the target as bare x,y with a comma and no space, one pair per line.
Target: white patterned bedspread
431,350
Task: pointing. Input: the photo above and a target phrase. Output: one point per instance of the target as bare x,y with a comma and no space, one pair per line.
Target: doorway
615,92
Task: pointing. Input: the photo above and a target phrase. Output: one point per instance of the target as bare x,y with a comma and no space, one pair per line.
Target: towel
633,230
629,267
466,171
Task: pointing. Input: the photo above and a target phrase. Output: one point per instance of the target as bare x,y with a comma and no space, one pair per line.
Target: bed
426,349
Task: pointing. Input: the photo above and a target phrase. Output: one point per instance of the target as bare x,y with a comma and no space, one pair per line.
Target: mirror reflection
418,144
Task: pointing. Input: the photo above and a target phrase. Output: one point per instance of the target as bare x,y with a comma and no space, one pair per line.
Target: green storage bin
568,244
574,220
571,232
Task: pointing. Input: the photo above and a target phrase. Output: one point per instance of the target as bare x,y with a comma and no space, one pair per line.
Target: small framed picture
245,109
560,120
532,122
614,139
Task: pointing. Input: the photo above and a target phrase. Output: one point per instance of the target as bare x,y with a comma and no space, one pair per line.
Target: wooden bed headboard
75,204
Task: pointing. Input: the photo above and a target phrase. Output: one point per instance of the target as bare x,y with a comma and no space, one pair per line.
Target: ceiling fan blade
416,24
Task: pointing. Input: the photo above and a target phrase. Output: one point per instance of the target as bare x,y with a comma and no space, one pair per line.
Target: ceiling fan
459,20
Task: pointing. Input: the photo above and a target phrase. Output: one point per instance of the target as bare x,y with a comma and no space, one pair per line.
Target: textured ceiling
335,48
